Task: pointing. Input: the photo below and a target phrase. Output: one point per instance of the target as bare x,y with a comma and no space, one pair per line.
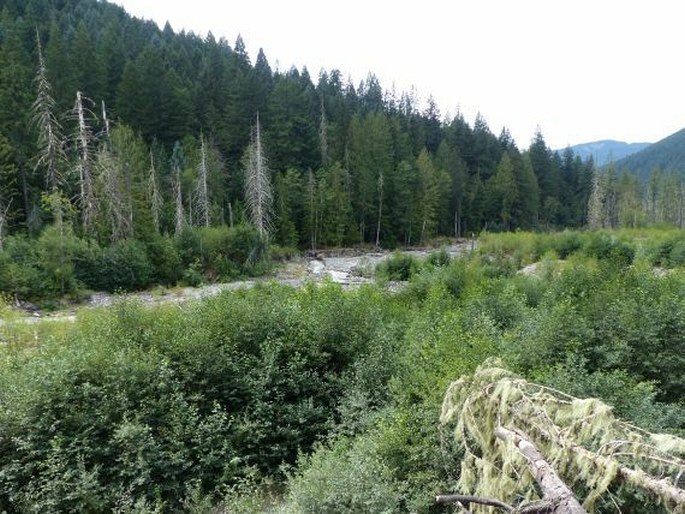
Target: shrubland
59,263
318,399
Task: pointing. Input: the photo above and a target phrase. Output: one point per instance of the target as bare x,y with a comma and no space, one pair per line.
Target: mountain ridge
605,150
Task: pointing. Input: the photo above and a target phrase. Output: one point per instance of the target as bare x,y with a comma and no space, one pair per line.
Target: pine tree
258,196
323,135
503,191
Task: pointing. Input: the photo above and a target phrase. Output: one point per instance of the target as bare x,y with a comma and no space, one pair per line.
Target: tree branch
553,488
461,498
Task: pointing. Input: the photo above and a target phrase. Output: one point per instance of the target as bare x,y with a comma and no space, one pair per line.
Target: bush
19,275
398,267
164,259
670,253
223,252
123,266
566,243
439,258
348,477
608,247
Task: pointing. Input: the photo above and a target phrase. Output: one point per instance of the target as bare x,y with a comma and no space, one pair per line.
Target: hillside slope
667,154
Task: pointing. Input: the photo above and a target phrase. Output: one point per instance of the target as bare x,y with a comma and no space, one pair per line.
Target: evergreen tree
448,159
427,196
503,191
371,163
527,202
154,196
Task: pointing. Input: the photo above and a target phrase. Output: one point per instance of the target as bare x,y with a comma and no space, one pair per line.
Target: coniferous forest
133,157
157,116
140,140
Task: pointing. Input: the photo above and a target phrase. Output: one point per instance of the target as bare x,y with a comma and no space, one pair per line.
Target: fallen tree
528,448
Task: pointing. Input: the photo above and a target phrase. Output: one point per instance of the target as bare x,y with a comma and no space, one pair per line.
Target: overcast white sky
582,70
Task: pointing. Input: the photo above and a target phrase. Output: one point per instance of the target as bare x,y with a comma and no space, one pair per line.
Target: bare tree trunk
558,497
87,199
380,208
202,194
3,221
323,136
110,176
105,120
25,196
178,198
155,197
311,187
465,500
50,139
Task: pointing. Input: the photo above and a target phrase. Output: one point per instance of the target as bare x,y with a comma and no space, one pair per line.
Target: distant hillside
607,150
667,154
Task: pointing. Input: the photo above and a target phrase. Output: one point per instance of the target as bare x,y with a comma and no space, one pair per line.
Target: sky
581,70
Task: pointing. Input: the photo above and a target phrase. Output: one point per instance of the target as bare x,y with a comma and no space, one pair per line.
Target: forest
121,142
133,157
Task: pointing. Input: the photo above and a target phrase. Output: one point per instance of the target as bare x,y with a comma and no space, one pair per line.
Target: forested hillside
349,162
667,154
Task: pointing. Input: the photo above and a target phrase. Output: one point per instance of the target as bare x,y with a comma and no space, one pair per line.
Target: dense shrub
223,252
398,267
164,259
171,409
606,246
347,478
438,258
138,404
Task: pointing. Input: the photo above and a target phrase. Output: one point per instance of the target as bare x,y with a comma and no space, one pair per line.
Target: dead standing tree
202,211
84,140
258,196
518,438
50,139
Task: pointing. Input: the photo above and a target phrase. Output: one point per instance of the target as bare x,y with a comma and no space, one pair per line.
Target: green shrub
19,274
398,267
566,243
164,259
438,258
123,266
348,477
604,246
223,252
677,256
55,251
